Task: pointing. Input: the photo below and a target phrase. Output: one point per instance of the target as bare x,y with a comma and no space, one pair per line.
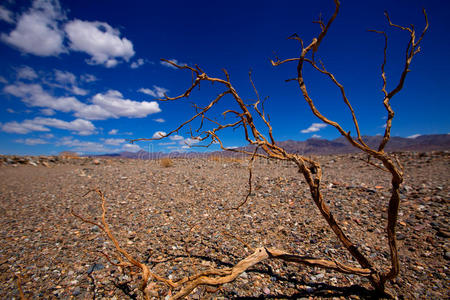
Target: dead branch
265,147
19,287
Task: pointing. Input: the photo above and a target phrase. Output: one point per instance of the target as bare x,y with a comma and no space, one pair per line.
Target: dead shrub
166,162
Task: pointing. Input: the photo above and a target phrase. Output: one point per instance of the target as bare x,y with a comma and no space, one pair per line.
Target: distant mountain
316,146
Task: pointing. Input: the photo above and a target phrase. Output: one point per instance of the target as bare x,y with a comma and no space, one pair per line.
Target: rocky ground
163,213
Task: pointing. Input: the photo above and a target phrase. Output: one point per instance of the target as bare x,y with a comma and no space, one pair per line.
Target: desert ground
178,219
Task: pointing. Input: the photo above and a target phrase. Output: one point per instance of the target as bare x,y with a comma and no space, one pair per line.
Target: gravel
158,213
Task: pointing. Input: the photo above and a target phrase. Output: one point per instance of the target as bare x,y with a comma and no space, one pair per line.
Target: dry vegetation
166,162
378,273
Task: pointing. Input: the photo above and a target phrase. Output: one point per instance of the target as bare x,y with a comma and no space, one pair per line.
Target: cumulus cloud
159,120
47,111
88,78
166,64
6,15
316,136
47,136
414,136
22,128
31,141
104,106
82,146
79,126
167,143
131,148
176,137
113,142
100,41
190,141
157,92
68,81
34,95
26,72
159,134
136,64
113,103
37,30
314,127
65,77
113,131
95,147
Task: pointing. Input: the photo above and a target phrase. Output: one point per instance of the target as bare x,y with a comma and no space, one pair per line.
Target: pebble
157,211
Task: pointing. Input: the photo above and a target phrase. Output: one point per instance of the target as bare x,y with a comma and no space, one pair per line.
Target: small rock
447,255
400,236
76,291
95,267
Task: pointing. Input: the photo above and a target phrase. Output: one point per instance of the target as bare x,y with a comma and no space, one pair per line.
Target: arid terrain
179,216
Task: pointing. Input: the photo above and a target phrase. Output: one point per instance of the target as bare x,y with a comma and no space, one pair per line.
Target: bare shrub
166,162
265,147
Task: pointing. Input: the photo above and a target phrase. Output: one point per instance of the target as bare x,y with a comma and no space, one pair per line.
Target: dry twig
310,169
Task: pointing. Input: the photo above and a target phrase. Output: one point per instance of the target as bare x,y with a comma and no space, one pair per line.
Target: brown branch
19,287
259,255
308,167
250,167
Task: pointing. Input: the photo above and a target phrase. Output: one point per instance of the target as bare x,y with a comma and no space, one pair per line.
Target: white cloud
82,146
131,148
69,82
159,120
78,91
26,72
3,80
31,141
6,15
166,64
157,92
65,77
104,106
22,128
176,137
414,136
47,136
10,110
79,126
158,134
47,111
113,103
113,131
314,127
34,95
100,41
167,143
113,142
190,141
88,78
136,64
37,30
316,136
94,147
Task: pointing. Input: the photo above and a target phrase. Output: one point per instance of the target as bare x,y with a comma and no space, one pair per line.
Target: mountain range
316,146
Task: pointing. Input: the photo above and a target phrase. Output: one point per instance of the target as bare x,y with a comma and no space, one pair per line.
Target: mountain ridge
315,146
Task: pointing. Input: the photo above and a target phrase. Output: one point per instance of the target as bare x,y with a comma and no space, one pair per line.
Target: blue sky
84,75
